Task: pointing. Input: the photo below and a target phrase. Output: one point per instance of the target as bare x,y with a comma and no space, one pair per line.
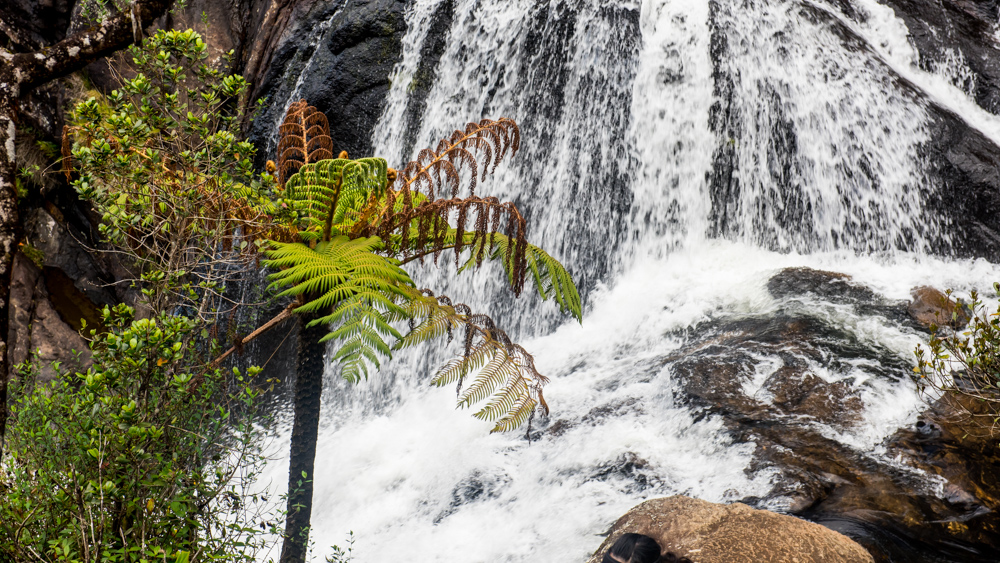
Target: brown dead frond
436,172
67,152
421,222
304,138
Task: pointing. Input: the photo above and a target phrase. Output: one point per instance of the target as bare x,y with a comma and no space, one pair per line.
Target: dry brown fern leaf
417,212
304,138
67,153
491,369
436,172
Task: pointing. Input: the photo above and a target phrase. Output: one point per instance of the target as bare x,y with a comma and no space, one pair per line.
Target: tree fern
359,221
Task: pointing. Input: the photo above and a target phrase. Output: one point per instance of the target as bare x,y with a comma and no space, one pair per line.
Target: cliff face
963,160
338,57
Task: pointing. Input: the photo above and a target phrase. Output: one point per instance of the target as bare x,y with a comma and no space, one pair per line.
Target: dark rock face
62,251
344,71
832,286
964,162
961,27
33,24
966,166
37,327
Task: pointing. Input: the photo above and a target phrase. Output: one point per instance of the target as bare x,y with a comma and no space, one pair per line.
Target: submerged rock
716,533
832,286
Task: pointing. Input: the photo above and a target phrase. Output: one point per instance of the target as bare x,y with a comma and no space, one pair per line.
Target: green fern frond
330,194
550,277
357,288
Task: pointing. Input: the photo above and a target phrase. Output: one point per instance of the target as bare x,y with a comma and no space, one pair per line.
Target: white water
615,101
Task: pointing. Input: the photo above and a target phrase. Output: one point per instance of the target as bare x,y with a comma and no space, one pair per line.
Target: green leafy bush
966,362
147,456
161,162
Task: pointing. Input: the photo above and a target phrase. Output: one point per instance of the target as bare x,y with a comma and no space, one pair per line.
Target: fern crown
358,222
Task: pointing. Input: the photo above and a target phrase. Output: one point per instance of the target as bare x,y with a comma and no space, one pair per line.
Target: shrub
966,363
145,457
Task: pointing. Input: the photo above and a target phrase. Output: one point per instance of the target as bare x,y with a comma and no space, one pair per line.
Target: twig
284,314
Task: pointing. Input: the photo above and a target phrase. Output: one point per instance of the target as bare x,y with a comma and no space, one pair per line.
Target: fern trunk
305,430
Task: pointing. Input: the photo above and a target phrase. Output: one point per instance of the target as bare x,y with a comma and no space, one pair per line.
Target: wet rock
839,289
634,473
946,30
931,307
735,533
478,486
344,73
937,502
967,165
766,368
61,250
784,380
831,286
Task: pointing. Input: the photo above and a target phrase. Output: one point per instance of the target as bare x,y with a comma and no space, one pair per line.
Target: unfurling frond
329,195
500,372
304,138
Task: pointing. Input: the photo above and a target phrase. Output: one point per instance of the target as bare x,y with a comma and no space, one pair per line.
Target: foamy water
619,174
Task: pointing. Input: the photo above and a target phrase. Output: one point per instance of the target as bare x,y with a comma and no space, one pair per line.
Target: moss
36,256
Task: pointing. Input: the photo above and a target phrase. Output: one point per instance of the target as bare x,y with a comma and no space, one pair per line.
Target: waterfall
675,155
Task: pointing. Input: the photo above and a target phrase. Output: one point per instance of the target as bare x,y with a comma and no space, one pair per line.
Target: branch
284,314
78,50
413,257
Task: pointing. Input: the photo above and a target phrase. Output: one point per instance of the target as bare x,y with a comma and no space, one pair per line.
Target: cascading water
676,154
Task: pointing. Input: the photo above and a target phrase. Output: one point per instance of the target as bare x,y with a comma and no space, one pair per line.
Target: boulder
707,532
832,286
930,307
